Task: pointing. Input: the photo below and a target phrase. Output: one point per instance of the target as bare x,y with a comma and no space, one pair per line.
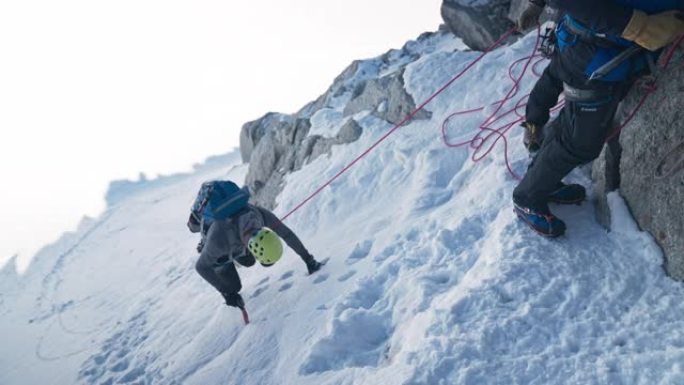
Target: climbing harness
547,46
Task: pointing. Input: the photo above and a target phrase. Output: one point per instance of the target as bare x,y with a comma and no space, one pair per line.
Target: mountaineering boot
568,194
234,300
313,265
533,137
539,219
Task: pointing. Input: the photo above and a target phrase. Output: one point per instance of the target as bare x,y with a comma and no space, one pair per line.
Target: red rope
477,143
399,125
486,131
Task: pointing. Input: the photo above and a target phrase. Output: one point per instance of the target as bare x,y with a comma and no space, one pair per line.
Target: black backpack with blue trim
216,200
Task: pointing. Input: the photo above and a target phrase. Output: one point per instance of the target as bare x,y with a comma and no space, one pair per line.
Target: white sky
92,90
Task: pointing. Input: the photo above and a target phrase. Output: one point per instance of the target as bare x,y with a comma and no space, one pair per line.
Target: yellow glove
654,32
530,17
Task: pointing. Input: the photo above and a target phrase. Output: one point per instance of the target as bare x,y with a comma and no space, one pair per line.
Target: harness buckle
574,94
547,46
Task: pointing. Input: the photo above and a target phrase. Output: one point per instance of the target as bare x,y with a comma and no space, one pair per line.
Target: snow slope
430,279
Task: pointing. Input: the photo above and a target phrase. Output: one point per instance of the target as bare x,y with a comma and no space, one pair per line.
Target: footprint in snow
132,375
346,276
361,251
360,339
285,287
258,292
120,366
263,281
385,254
287,275
321,278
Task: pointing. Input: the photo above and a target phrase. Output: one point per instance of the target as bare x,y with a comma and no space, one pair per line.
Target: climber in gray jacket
226,243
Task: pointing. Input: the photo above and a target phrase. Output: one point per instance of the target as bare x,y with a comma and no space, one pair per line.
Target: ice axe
607,68
245,316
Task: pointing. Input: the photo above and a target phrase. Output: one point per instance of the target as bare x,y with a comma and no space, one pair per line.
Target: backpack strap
249,221
241,195
585,34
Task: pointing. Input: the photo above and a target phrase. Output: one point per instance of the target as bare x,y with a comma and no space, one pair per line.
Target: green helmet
265,246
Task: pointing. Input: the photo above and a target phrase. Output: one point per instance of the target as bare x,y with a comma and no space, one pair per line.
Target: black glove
313,266
234,300
533,137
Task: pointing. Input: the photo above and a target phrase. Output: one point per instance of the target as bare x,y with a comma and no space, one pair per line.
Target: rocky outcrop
518,6
481,22
278,144
516,9
385,97
651,168
271,145
478,22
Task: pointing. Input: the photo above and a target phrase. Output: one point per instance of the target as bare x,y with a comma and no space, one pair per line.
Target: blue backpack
216,200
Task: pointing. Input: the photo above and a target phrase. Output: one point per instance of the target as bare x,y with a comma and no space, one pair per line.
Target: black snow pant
575,138
225,277
544,97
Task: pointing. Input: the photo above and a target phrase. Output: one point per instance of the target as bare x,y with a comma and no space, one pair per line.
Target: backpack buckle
547,47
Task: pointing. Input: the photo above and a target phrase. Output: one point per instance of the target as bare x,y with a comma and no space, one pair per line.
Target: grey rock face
339,87
284,148
278,144
606,176
516,9
350,132
518,6
478,22
386,97
481,22
277,138
652,166
252,132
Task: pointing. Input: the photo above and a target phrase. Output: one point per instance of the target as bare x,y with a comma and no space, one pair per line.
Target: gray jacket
226,240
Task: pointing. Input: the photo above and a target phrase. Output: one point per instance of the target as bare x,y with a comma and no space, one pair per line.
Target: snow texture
430,278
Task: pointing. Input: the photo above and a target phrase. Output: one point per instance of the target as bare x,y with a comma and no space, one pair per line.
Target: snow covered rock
651,174
516,9
283,145
386,97
478,22
518,6
277,139
253,132
481,22
279,144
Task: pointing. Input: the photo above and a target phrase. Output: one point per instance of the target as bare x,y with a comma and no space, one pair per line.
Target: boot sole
531,226
568,202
